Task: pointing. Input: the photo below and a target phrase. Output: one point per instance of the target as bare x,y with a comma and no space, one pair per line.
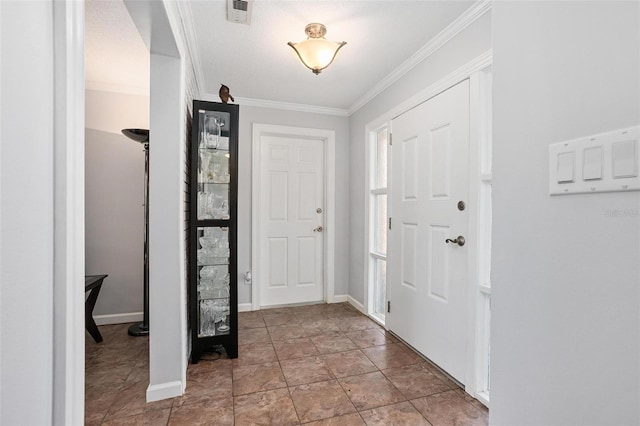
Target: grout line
291,398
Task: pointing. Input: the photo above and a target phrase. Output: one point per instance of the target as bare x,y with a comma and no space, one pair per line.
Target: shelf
213,183
205,149
200,299
213,264
204,336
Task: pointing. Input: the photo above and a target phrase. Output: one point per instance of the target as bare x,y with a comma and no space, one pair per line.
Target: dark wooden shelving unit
213,283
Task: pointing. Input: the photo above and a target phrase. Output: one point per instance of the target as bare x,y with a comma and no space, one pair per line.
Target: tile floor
315,365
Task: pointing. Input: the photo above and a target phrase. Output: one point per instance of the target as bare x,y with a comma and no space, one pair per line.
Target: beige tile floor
315,365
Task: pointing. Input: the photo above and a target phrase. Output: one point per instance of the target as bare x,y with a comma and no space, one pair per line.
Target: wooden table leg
89,304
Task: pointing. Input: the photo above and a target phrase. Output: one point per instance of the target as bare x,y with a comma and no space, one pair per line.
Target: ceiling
255,61
116,58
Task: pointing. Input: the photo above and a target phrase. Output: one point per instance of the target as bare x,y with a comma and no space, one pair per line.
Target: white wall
469,44
26,213
251,115
114,197
172,89
566,278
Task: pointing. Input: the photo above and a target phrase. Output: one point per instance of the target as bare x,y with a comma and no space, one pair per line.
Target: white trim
329,139
340,298
164,390
68,187
289,106
378,255
245,307
467,18
483,397
123,318
479,232
188,28
101,86
371,133
359,306
479,63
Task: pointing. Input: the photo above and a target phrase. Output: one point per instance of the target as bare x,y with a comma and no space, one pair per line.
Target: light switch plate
606,162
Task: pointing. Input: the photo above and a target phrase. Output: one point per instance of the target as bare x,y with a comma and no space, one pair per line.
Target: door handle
459,240
318,229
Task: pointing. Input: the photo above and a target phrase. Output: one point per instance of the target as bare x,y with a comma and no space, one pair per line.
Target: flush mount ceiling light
316,52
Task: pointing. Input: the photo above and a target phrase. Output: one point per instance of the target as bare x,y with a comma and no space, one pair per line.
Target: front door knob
459,240
318,229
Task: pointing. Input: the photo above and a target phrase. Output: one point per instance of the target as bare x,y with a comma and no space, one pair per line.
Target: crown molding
188,28
101,86
289,106
472,14
476,10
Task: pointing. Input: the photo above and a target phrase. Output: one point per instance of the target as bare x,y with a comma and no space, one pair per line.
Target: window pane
381,159
380,224
380,286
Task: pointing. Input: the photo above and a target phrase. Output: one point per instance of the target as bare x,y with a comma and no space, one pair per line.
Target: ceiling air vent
239,11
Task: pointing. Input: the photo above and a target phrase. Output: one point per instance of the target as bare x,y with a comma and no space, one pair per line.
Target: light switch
566,167
604,162
592,163
624,157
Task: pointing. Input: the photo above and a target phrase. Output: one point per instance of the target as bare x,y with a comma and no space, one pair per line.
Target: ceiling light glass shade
316,52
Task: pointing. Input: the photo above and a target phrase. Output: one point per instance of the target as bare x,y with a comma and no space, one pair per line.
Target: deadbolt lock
318,210
461,205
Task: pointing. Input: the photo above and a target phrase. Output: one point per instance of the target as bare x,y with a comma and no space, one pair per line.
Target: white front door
427,274
291,220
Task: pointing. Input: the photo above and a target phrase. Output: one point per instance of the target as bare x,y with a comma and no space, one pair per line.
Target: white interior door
291,220
427,275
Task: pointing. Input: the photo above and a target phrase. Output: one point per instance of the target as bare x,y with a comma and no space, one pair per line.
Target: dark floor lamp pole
142,136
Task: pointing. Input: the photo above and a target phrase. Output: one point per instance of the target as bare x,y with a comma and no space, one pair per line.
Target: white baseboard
118,318
164,391
245,307
359,306
340,298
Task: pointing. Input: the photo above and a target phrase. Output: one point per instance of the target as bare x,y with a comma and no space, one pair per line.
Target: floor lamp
142,136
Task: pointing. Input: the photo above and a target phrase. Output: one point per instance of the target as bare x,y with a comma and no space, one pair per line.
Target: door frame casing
328,137
474,71
68,196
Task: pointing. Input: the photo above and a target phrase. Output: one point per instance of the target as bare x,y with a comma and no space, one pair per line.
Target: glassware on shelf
213,256
214,246
214,202
217,232
213,317
222,313
214,272
213,167
206,290
211,125
207,326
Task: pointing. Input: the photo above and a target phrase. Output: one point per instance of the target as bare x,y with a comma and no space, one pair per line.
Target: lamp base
139,330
